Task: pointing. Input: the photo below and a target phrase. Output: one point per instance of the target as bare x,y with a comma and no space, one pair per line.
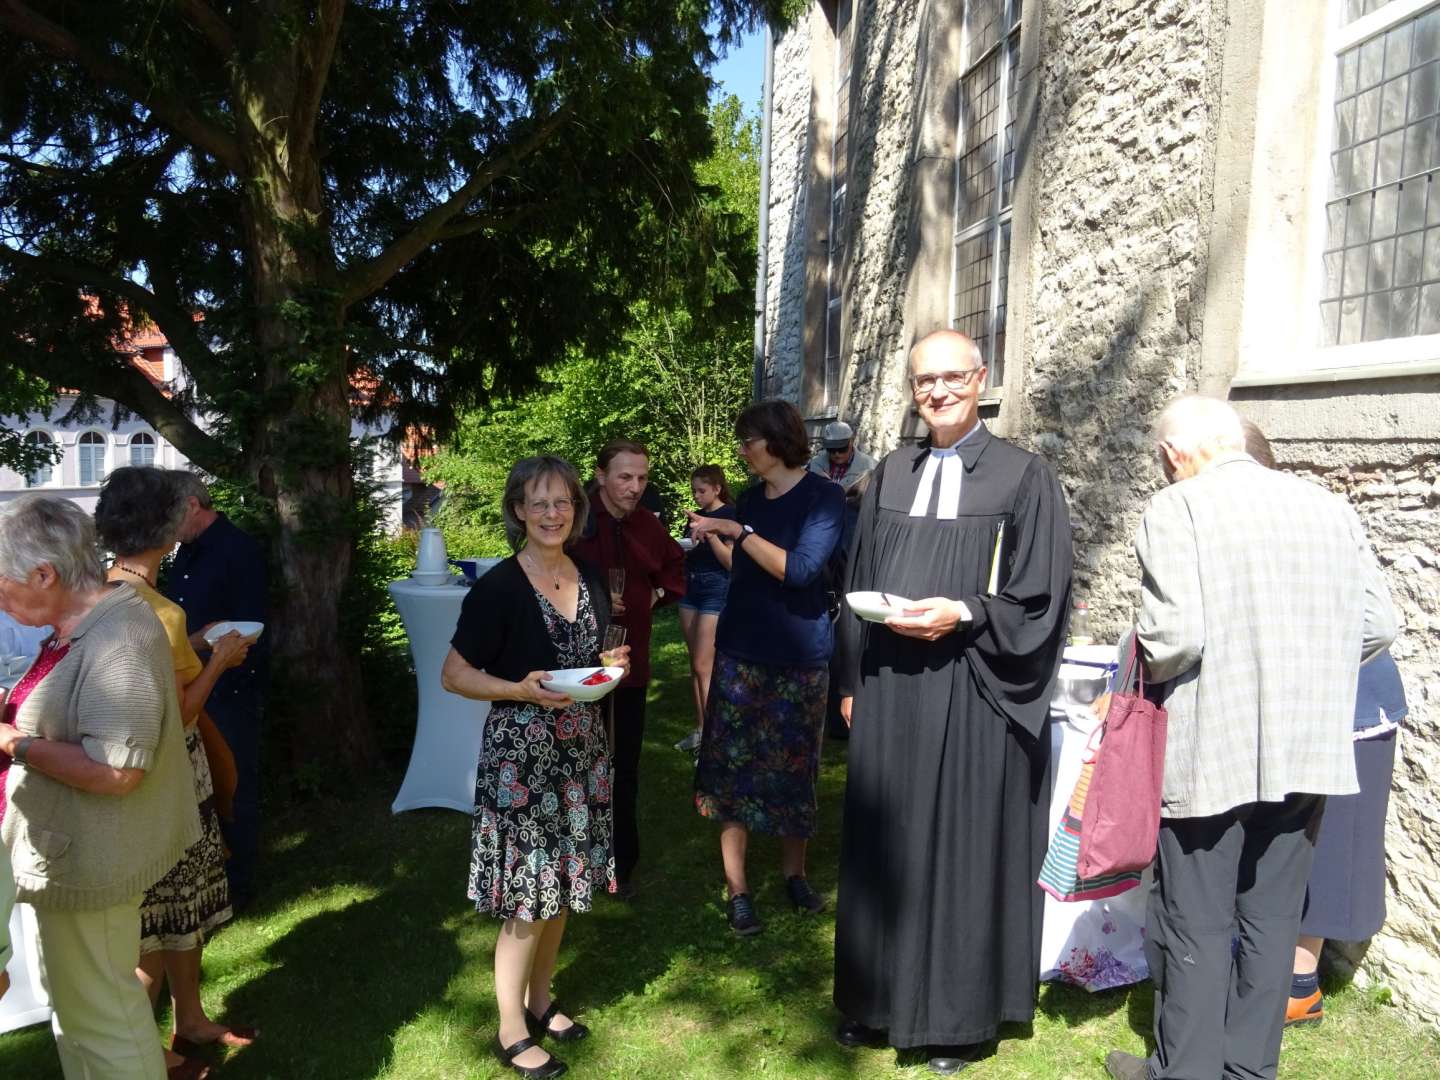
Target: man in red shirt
622,534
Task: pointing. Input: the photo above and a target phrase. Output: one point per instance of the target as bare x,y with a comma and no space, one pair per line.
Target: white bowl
1081,684
570,681
687,544
250,630
876,606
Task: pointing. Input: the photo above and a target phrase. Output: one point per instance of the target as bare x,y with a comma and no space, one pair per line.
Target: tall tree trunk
298,448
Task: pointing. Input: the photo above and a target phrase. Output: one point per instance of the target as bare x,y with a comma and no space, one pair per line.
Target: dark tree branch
317,56
359,281
177,324
473,223
123,382
21,21
211,25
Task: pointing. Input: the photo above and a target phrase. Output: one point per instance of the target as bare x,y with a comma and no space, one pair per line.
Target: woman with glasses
707,580
541,841
760,748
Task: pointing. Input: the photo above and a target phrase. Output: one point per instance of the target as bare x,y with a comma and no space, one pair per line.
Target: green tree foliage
384,209
675,382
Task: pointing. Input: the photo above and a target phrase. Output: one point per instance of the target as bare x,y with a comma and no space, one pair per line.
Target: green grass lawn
363,959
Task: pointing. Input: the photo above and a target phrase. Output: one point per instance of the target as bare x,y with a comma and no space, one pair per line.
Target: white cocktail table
26,1002
1094,944
449,728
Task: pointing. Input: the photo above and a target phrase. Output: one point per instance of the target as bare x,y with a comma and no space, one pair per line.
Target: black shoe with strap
740,913
540,1025
507,1055
806,900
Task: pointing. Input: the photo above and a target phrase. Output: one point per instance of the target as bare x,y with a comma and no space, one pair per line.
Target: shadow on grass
337,986
362,957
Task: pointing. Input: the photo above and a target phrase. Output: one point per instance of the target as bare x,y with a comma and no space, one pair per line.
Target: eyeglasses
541,506
952,380
744,444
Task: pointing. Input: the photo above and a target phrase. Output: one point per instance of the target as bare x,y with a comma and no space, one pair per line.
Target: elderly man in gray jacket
1260,598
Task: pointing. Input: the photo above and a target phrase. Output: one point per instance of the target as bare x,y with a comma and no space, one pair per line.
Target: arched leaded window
42,474
92,458
142,449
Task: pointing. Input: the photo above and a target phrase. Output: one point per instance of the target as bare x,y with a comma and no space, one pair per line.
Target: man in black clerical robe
938,926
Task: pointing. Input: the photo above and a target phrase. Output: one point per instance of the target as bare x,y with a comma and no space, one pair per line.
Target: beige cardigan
114,694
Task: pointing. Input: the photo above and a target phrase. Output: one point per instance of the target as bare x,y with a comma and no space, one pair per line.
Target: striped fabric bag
1059,874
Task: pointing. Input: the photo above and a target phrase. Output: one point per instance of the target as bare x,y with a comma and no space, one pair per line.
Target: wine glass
614,638
617,584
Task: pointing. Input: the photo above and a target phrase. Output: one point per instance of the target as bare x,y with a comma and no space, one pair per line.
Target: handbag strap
1134,670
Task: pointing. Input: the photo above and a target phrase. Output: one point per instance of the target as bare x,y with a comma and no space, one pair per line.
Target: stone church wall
1110,271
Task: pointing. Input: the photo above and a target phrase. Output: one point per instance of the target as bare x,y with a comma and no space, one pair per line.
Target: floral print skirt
541,841
760,750
184,907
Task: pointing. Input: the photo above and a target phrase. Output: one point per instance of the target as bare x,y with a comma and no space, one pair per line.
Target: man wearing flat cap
840,459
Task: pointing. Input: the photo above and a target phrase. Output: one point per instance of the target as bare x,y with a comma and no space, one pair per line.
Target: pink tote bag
1121,822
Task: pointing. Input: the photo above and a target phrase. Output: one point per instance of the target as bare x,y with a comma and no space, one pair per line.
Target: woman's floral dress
541,842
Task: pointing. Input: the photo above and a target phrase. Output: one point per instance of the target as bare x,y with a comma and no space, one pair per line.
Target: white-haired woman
100,798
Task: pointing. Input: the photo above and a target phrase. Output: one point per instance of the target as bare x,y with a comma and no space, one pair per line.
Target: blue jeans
705,591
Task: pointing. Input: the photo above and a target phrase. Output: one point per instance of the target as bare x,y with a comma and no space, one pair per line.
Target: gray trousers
1220,1009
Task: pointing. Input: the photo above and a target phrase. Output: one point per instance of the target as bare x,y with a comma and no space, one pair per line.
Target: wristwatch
745,530
22,748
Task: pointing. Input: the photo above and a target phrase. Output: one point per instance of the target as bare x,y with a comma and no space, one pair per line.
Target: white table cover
449,728
26,1002
1095,944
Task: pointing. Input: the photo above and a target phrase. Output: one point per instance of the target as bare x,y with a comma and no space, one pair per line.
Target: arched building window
44,474
92,458
142,449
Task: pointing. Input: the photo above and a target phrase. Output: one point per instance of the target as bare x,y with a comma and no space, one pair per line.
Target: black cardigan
501,630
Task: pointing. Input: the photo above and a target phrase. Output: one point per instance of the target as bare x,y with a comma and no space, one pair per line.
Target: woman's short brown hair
529,470
778,423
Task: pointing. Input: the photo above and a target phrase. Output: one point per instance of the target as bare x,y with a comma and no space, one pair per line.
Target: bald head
1194,423
957,349
1193,430
946,372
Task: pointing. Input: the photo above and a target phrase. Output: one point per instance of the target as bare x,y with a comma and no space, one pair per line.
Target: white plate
875,606
249,630
570,681
1093,655
687,544
434,577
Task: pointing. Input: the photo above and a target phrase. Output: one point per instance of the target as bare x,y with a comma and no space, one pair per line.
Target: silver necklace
540,573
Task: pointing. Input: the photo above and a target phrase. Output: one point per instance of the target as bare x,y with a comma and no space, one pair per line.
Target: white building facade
91,449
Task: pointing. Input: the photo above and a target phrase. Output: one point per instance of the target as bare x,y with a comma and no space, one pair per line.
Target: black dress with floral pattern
541,841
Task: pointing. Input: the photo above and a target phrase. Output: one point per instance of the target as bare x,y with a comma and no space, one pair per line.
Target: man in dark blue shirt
219,573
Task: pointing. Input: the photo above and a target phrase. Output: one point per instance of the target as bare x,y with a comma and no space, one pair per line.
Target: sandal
189,1069
574,1033
508,1054
235,1037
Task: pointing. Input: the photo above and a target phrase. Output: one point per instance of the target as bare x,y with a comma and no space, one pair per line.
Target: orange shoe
1306,1010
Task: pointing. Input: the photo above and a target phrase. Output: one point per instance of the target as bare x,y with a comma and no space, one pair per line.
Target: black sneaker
740,913
806,900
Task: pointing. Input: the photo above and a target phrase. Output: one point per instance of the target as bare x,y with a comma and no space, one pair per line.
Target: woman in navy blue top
760,748
707,580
